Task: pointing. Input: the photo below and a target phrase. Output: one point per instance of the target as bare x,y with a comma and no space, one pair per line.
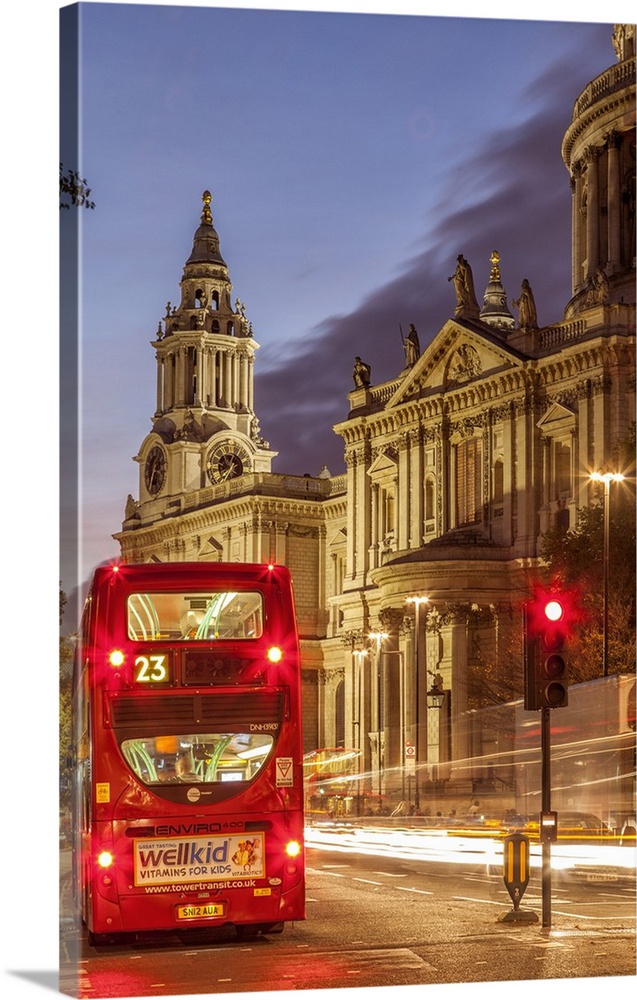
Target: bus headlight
274,654
105,859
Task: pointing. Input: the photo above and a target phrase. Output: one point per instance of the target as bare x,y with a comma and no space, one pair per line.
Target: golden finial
495,268
206,215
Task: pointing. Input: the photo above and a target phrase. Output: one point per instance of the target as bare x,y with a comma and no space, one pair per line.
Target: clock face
227,461
155,470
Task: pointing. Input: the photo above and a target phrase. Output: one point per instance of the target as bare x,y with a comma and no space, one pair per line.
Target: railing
265,484
615,78
563,333
382,393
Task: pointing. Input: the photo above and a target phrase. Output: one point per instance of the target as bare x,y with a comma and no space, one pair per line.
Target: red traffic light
550,610
554,610
547,623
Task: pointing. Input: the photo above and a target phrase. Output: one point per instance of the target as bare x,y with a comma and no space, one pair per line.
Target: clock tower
205,431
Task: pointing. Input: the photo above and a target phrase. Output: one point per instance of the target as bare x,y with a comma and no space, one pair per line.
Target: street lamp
606,478
417,601
438,697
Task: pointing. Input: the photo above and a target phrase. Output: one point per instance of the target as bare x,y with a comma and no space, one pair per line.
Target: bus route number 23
152,669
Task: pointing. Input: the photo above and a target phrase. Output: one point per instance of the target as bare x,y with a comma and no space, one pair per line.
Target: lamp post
606,478
417,601
438,697
379,638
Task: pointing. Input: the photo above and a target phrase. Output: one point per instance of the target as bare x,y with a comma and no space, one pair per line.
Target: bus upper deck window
195,617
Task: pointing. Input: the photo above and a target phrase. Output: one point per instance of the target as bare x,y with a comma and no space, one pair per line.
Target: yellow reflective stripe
508,869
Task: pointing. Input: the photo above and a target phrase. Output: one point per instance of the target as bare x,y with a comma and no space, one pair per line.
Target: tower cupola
495,310
204,346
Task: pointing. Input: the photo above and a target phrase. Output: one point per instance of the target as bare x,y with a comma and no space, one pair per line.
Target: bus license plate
198,911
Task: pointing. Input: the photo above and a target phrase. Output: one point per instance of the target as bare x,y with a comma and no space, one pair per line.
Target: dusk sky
351,158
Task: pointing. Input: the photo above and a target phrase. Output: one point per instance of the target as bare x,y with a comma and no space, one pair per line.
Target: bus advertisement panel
188,785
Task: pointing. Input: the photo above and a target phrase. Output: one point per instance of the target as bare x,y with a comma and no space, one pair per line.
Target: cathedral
411,568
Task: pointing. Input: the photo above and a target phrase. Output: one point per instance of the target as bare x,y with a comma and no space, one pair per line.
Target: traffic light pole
546,623
546,808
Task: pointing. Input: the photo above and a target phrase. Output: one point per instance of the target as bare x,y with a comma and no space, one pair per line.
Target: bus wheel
102,939
247,932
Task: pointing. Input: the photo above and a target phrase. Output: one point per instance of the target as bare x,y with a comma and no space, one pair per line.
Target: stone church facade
410,569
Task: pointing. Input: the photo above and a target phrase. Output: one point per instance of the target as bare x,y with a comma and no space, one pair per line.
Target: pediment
338,538
386,463
556,418
458,355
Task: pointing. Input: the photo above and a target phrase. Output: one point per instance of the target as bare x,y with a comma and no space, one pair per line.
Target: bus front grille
221,711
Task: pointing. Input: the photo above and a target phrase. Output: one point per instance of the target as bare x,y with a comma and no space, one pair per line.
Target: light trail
443,846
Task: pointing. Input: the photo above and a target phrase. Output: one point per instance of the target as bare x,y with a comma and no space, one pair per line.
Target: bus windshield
196,617
196,758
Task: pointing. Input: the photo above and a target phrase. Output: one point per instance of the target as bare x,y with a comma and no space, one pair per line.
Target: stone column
250,384
576,226
393,696
160,385
180,374
374,561
416,493
236,380
614,203
219,377
198,395
403,494
362,511
352,501
508,483
458,653
229,380
245,382
592,211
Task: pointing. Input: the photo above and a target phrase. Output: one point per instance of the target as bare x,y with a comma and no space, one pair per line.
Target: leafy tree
575,558
75,189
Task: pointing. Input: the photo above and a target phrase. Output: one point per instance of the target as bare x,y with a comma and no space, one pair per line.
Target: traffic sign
516,871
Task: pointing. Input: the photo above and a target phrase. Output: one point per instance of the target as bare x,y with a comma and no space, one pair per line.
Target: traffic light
546,627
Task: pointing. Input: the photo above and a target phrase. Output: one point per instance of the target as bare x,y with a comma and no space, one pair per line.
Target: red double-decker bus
188,787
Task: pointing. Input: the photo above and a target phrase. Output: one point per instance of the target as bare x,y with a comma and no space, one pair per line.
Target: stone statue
624,41
362,374
598,290
190,430
131,508
527,317
465,294
412,346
